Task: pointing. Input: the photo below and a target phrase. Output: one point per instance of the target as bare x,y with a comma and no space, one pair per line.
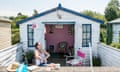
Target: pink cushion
80,63
80,54
74,62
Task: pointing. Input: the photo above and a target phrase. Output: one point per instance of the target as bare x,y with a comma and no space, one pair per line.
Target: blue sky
12,7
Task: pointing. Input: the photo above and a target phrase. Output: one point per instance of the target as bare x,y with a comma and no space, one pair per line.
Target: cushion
73,61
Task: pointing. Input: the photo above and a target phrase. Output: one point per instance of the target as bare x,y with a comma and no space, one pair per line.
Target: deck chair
62,46
77,61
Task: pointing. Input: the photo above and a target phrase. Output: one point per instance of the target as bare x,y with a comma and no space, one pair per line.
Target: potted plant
30,56
96,61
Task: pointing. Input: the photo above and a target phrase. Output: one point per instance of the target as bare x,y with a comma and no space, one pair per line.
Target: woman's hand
47,54
45,60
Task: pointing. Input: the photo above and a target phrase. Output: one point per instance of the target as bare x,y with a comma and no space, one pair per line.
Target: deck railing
109,56
11,54
91,61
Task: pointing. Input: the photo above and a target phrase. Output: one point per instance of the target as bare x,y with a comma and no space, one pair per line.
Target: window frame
85,32
30,38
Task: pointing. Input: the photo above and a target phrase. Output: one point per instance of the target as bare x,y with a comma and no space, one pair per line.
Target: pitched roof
3,19
116,21
63,9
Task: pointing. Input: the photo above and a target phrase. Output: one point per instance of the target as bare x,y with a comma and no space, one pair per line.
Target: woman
41,55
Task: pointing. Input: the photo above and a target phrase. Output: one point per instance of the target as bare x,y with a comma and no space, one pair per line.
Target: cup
57,66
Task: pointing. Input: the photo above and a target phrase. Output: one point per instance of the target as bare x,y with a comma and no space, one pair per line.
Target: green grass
116,45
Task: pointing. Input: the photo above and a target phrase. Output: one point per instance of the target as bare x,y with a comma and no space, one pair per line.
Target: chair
77,61
51,49
70,51
62,46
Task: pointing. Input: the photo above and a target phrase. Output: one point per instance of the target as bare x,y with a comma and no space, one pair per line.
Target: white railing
11,54
91,61
109,56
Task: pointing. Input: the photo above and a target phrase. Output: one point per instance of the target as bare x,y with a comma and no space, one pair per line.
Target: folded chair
76,61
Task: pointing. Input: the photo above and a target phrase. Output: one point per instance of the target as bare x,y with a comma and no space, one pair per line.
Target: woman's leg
48,62
41,64
51,65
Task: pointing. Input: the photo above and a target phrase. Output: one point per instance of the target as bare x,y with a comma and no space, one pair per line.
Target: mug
57,66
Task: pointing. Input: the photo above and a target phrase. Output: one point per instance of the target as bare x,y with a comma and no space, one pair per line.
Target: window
30,32
86,35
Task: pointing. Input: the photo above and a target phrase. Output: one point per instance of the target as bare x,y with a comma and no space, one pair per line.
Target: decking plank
73,69
84,69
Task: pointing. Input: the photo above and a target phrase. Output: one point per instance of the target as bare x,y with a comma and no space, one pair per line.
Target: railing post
91,62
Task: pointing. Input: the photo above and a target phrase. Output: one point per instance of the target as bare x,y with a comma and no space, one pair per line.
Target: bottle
22,68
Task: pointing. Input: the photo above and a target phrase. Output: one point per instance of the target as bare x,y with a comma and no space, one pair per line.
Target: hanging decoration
58,14
33,26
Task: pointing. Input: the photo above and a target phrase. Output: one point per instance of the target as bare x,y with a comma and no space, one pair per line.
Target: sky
12,7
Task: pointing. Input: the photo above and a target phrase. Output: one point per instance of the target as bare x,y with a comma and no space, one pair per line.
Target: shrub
116,45
30,56
103,35
96,61
15,36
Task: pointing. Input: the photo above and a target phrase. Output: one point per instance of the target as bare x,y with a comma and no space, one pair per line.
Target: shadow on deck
57,58
61,59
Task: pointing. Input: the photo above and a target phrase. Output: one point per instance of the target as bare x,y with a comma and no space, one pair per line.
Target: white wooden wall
5,35
10,55
116,30
52,17
40,35
109,56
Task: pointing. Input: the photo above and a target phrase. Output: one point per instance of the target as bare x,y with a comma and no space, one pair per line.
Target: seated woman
41,56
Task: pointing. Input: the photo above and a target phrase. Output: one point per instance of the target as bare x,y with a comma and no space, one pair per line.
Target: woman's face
39,46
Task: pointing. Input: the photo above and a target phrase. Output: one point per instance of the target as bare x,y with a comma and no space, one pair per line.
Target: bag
22,68
12,67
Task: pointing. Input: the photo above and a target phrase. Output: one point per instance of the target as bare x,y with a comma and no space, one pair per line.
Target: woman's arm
37,55
47,54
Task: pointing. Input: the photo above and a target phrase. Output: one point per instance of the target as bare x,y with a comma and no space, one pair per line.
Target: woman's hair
37,43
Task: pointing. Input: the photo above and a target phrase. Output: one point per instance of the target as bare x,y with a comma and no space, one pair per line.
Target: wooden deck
73,69
84,69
